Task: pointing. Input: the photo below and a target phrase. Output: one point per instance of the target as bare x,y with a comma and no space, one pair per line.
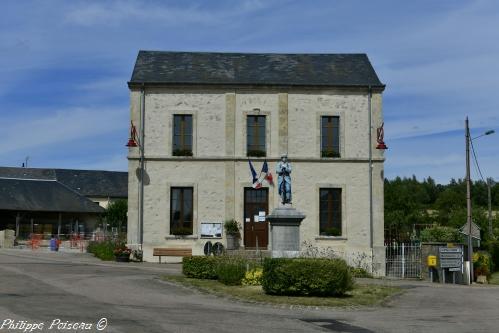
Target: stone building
56,201
206,114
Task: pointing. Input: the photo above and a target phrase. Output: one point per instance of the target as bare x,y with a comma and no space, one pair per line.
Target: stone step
250,254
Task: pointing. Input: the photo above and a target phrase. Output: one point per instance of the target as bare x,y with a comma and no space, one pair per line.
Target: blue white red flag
267,174
253,174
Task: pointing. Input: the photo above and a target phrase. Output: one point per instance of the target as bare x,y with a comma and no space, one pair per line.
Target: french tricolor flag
256,183
265,175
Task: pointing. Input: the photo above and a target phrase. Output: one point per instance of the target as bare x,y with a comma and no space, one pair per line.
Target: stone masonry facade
218,170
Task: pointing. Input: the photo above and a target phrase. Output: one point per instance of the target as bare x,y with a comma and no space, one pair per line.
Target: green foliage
231,270
331,231
182,152
181,231
102,250
256,153
306,277
231,227
358,272
330,153
411,205
482,263
443,234
493,248
253,277
200,267
116,213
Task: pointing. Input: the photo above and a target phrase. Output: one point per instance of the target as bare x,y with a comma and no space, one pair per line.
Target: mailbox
432,261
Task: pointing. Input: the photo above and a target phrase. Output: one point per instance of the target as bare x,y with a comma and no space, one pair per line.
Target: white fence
403,260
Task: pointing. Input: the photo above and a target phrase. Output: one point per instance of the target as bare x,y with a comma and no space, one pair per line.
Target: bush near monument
200,267
231,270
306,277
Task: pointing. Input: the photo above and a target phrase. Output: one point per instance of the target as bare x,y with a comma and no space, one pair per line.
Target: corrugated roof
160,67
43,195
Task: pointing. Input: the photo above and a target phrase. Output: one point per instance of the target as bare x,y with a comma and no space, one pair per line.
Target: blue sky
64,66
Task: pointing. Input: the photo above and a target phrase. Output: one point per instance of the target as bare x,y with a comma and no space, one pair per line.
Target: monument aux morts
211,137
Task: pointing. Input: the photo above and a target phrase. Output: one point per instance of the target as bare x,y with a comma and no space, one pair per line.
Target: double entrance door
256,227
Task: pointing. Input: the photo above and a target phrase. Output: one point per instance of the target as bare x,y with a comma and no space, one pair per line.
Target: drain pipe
371,237
141,147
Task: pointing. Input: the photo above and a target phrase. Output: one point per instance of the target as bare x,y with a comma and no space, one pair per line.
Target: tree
116,213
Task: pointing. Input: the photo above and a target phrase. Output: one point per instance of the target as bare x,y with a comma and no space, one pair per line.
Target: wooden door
255,233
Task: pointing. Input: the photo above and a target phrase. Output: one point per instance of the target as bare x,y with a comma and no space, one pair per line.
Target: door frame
266,223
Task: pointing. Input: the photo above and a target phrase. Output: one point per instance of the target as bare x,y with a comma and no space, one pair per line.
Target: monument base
285,231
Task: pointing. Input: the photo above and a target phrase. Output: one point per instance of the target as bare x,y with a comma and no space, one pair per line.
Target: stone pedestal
285,231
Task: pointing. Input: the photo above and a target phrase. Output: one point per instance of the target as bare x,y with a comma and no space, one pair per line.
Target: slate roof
206,68
43,195
91,183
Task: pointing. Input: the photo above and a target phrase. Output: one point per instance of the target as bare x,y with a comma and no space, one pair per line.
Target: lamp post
468,194
490,183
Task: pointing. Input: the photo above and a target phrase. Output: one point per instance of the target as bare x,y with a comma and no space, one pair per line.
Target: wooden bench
171,252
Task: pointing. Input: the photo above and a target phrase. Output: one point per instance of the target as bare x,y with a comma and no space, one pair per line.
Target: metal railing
403,260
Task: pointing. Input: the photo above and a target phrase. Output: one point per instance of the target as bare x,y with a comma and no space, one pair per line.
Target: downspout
371,237
141,180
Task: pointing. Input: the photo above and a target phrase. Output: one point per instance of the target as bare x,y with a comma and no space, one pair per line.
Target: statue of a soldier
283,170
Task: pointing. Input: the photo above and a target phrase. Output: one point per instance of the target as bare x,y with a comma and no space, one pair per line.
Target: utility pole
489,184
468,200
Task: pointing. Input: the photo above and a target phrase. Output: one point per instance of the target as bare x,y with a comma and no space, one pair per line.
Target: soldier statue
283,170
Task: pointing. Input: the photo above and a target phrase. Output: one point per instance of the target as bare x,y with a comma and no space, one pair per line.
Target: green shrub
482,263
306,277
253,277
200,267
358,272
102,250
442,234
493,249
231,270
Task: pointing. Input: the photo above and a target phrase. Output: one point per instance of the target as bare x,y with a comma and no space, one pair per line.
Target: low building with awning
56,201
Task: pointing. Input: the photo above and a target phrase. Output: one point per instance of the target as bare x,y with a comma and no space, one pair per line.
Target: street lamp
490,183
468,193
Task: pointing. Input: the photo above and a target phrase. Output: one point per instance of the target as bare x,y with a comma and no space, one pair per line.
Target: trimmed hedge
306,277
200,267
231,270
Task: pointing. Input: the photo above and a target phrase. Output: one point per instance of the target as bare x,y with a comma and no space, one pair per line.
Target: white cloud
61,126
119,12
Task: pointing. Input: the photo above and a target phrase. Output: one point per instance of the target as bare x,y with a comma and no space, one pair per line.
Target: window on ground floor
181,211
330,212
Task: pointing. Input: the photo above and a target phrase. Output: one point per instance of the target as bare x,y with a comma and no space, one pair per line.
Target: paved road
41,287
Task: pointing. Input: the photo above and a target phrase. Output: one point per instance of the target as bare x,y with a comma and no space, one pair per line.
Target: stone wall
219,171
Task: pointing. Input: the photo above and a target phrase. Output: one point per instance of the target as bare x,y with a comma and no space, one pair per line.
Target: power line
476,161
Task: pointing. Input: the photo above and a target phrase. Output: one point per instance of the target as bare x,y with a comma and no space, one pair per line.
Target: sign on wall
211,230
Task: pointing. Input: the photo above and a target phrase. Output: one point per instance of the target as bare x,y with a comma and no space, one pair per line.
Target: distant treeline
411,205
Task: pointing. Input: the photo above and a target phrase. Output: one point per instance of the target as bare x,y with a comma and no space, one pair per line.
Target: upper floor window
330,136
330,212
182,135
181,211
255,129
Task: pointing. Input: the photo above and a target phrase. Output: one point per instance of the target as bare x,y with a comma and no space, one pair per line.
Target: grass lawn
494,279
361,295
